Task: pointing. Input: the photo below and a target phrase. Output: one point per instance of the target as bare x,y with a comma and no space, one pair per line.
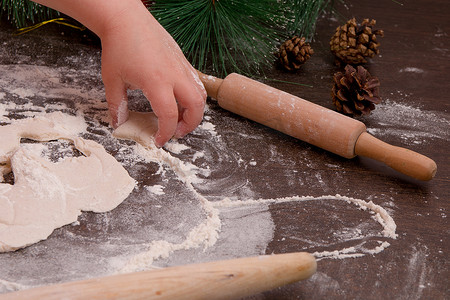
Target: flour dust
194,200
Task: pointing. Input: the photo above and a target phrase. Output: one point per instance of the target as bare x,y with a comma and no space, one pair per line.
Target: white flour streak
205,234
156,189
411,70
418,273
378,213
8,286
413,125
22,92
175,147
209,127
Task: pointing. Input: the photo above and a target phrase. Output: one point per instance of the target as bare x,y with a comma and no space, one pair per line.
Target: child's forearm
100,16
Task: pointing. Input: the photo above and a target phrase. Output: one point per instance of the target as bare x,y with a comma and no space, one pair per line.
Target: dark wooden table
256,162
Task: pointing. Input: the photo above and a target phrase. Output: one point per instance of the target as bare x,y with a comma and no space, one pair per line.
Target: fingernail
158,142
122,113
113,119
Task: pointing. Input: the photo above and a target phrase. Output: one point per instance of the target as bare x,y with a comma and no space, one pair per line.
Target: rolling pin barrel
289,114
228,279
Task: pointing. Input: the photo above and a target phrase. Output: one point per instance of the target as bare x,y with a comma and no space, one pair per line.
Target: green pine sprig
24,12
235,35
304,16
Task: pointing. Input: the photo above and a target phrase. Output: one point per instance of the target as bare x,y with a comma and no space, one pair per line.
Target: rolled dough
48,195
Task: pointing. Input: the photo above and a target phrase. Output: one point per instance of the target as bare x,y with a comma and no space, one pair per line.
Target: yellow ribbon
62,21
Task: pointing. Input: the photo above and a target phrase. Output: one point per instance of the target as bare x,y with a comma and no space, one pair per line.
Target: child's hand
139,54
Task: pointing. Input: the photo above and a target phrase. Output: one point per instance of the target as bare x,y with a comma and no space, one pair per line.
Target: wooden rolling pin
312,123
228,279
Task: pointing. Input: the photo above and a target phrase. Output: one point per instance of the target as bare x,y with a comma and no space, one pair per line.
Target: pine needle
235,36
24,12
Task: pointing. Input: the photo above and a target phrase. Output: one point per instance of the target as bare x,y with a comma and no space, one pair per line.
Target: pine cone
353,43
294,53
355,92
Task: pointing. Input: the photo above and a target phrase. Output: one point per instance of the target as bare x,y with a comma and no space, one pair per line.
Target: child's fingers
116,96
197,81
165,108
193,105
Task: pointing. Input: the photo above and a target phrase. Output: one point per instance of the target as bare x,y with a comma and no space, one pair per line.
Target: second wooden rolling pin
311,123
227,279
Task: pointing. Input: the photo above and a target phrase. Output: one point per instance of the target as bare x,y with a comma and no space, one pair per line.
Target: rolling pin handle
211,84
400,159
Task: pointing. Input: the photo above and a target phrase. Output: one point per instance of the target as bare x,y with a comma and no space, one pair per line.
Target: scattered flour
175,147
22,93
198,155
417,126
209,127
7,286
156,189
212,227
378,213
411,70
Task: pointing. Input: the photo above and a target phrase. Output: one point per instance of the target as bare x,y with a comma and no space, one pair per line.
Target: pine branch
24,12
238,35
304,16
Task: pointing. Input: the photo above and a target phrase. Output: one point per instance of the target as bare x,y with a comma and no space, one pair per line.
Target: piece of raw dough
49,195
140,127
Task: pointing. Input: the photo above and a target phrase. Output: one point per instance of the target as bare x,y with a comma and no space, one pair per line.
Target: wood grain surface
413,68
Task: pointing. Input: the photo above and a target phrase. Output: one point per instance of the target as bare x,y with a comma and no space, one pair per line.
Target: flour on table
142,126
411,70
156,189
379,214
9,286
176,148
177,213
22,93
417,126
209,127
47,195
